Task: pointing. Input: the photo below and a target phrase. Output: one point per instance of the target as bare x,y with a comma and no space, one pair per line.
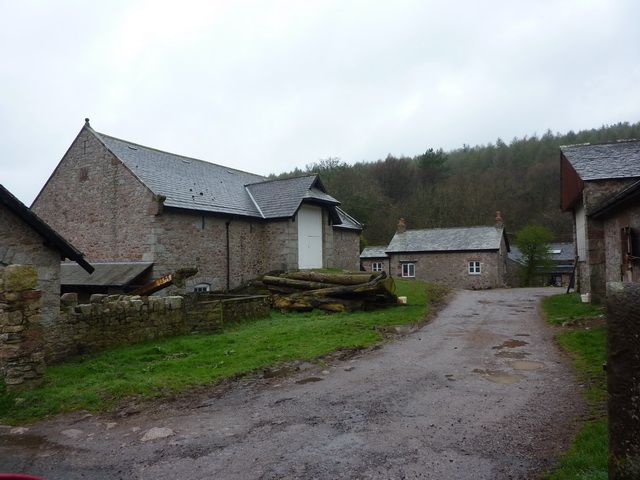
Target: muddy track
481,392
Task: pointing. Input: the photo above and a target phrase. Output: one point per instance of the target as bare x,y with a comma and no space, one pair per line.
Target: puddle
527,365
511,343
522,335
309,380
455,334
504,354
450,377
29,441
498,376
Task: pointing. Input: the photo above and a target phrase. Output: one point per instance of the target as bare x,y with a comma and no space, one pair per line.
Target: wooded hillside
463,187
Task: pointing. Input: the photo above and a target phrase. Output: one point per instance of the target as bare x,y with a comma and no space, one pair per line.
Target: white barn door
309,237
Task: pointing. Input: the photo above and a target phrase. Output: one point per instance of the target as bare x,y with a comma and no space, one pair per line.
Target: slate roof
447,240
281,198
606,160
194,184
41,227
617,201
186,182
379,251
567,253
347,221
108,274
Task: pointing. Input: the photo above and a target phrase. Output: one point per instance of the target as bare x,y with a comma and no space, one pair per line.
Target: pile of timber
333,292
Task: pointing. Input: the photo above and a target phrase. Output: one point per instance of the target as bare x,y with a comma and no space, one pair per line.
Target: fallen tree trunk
333,278
384,285
306,303
297,284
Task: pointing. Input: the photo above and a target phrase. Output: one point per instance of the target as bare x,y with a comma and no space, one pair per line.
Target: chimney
402,226
499,221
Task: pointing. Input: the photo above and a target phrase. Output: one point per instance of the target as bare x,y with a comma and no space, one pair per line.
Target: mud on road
481,392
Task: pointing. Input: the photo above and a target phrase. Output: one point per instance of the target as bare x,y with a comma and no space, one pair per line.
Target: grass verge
587,457
165,367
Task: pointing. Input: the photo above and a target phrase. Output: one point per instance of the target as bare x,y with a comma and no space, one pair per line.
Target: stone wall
592,272
113,320
451,268
346,249
628,216
96,203
367,264
21,245
21,347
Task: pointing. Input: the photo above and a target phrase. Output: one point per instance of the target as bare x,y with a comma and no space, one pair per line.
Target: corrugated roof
607,160
559,252
447,239
111,274
43,229
281,198
374,252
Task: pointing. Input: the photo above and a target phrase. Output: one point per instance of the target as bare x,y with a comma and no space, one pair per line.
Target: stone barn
122,202
597,185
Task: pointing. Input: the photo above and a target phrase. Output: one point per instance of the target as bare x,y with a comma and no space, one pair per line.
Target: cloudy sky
266,86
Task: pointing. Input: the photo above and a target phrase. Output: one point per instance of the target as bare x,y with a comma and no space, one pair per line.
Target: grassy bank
586,341
165,367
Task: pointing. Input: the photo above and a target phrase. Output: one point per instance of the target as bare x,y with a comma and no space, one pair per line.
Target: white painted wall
309,237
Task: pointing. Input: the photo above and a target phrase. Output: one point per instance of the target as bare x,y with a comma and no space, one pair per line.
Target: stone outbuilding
620,218
375,259
592,178
464,257
558,273
30,255
25,239
123,202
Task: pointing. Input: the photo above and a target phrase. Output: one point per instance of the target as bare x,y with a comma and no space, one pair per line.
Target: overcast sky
268,86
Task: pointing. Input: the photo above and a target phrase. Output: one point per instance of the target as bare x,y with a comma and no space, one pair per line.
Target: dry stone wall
112,320
21,348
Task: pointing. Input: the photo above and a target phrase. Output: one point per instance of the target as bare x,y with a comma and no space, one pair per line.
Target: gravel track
481,392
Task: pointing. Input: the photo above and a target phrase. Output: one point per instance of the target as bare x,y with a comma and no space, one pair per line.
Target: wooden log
291,283
380,285
332,278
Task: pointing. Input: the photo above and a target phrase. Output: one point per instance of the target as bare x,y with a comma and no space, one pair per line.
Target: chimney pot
402,226
499,220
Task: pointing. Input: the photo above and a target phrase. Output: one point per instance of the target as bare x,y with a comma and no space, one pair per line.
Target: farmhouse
25,239
122,202
598,185
465,257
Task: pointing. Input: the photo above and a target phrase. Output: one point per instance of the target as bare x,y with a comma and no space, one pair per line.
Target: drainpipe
227,223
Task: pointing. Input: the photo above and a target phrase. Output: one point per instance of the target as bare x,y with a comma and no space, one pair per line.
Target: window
376,266
408,270
474,268
201,288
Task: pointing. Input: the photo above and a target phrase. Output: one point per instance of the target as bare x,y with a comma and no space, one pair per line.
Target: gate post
623,379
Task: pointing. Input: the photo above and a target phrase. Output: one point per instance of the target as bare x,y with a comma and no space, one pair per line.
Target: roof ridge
177,154
448,228
605,142
271,180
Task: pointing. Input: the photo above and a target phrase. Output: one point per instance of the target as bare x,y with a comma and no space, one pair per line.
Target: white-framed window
474,268
408,270
202,287
376,266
